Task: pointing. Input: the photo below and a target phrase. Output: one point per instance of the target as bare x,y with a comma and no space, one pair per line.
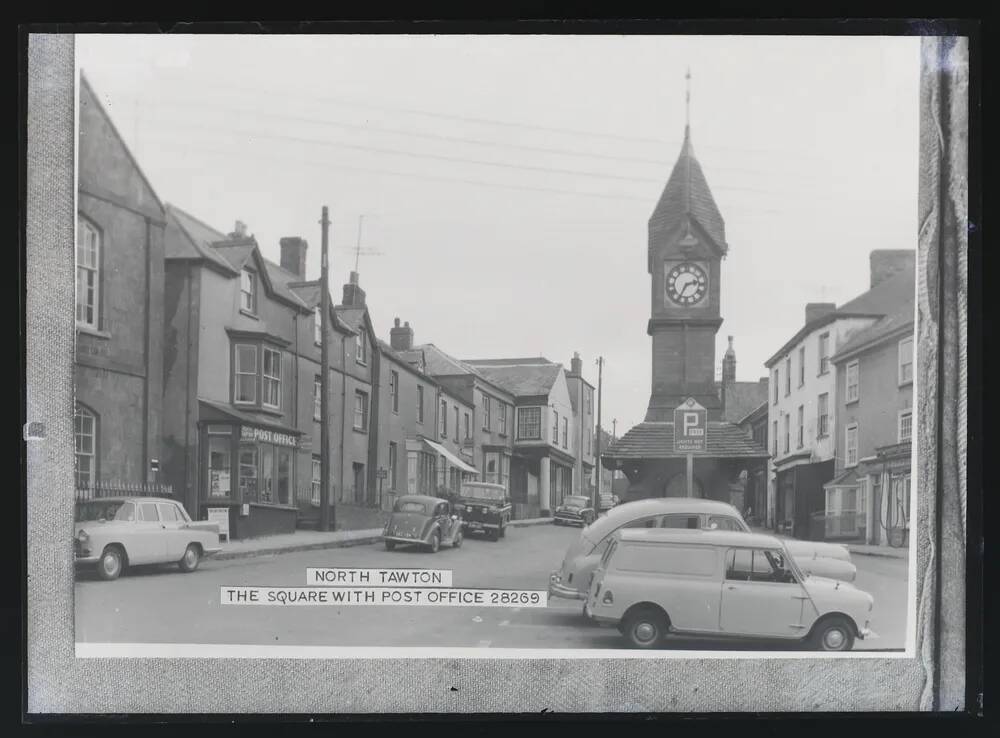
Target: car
575,510
582,557
427,521
607,501
717,584
485,508
113,533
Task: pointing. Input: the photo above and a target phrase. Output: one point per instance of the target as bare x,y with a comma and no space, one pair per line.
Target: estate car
485,508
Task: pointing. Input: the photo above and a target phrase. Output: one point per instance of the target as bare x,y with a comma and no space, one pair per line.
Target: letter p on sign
690,421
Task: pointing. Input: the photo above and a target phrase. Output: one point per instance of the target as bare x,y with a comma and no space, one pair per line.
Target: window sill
906,383
502,435
359,430
90,331
244,311
276,411
855,401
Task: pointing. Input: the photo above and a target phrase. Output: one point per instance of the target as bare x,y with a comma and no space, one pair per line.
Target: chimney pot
397,322
240,229
354,278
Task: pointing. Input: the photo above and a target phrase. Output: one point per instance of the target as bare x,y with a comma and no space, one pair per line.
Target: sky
506,182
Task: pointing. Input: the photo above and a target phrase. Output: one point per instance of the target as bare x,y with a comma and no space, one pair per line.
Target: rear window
666,559
95,510
414,507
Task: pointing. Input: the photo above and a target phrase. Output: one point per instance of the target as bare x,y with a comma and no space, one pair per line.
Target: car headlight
82,536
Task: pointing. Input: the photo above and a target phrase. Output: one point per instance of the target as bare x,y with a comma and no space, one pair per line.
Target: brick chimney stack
886,263
576,364
293,255
354,296
401,337
239,230
816,310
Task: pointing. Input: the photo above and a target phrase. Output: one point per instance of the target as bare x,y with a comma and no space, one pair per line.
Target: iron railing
114,488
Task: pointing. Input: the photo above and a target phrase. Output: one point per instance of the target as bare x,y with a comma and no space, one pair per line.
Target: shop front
249,473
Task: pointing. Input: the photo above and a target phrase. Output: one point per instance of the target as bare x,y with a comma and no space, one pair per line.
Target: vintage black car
575,510
427,521
485,509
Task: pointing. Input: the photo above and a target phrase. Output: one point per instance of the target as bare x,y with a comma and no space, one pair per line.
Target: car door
148,541
761,596
175,538
444,519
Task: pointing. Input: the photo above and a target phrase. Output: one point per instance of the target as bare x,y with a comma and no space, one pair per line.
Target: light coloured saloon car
113,533
571,579
721,585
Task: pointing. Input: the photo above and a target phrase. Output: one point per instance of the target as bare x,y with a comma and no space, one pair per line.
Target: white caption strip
286,596
343,576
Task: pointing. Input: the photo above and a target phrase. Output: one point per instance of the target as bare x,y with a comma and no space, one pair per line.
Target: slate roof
309,294
898,319
655,440
441,364
750,415
741,398
508,362
402,359
522,380
687,193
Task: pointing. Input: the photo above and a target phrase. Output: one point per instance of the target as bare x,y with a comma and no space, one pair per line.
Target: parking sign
690,427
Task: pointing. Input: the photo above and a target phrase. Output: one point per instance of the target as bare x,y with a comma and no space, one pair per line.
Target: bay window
529,423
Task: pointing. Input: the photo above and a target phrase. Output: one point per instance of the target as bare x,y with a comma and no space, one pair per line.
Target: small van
720,585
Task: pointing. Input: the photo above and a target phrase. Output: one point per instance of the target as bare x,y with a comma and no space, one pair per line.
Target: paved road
161,605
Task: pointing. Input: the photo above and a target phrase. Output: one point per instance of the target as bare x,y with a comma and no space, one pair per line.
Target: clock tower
687,242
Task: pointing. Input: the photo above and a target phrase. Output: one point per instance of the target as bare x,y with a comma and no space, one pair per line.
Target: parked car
607,501
722,585
484,508
570,580
575,510
113,533
423,520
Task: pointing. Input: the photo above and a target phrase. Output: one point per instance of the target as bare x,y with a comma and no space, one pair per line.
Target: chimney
239,230
729,364
293,255
401,338
816,310
353,294
576,364
886,263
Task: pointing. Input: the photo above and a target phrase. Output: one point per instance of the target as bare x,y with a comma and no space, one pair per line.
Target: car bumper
867,634
400,539
558,589
86,560
210,551
600,619
478,525
568,518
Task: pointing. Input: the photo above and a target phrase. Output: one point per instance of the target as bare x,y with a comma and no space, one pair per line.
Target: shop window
248,473
266,483
88,275
219,465
284,476
85,433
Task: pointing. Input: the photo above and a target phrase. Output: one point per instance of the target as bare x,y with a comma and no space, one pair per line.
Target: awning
452,459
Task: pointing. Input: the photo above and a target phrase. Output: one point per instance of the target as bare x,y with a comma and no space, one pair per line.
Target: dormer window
361,349
248,291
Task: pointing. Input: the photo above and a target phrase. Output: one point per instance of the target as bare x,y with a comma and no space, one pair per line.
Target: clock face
686,284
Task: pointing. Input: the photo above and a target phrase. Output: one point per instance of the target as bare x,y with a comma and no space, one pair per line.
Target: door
149,541
359,483
447,525
761,596
175,538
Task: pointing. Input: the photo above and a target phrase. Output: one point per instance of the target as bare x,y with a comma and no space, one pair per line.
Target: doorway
359,483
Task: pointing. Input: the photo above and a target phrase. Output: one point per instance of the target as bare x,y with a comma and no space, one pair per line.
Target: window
906,360
85,431
905,425
823,419
248,291
788,419
756,565
775,386
392,464
589,440
590,400
88,245
394,390
565,432
487,425
168,513
316,479
801,427
788,376
220,463
555,427
802,366
725,522
248,472
456,424
246,374
147,512
468,427
317,398
688,522
360,410
444,418
851,445
317,325
271,389
824,353
502,412
774,435
420,404
529,423
360,348
853,381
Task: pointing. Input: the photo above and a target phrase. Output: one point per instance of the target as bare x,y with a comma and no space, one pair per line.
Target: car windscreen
409,506
107,510
576,502
487,494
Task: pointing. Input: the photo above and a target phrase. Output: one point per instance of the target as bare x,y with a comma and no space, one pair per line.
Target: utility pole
327,518
600,378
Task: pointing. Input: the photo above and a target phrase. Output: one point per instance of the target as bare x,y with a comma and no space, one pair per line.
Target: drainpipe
189,491
145,361
343,404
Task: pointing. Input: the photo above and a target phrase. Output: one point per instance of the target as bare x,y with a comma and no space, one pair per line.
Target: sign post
690,434
381,473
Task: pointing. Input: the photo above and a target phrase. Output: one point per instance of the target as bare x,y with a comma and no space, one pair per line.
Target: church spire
687,106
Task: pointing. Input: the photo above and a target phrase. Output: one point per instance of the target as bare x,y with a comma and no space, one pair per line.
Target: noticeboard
690,427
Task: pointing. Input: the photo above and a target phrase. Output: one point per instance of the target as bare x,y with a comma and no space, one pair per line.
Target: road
162,605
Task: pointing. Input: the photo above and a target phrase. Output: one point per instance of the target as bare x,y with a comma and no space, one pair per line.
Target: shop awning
452,459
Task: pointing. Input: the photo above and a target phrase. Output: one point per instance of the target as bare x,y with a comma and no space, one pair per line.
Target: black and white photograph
472,347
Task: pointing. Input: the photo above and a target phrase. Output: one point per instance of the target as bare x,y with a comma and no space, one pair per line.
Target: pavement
861,549
162,605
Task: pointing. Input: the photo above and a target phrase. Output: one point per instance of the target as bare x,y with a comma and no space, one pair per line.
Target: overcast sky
507,181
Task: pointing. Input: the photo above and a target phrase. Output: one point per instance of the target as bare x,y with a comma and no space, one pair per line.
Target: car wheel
503,531
457,543
389,545
111,564
435,542
833,634
645,628
189,561
492,534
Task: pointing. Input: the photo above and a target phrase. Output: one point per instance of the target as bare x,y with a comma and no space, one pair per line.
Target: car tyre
189,561
111,564
457,543
645,628
833,634
503,531
435,543
493,534
389,545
